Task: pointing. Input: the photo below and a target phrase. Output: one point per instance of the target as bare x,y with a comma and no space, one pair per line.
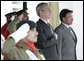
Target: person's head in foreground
31,32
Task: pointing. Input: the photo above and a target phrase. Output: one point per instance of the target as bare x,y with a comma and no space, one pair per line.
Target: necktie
72,33
50,27
48,24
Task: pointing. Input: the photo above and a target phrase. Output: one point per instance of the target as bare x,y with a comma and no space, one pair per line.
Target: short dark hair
64,12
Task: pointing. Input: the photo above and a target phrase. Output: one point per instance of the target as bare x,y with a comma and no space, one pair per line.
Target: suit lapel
66,30
75,36
45,25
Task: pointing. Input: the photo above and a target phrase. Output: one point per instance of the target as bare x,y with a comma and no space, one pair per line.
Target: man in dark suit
46,38
67,40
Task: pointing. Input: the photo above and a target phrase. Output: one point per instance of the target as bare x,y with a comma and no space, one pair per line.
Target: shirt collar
44,20
65,25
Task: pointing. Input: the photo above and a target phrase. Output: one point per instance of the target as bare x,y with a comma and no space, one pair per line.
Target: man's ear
63,19
40,12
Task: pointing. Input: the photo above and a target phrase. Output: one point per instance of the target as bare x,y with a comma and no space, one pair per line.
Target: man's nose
36,32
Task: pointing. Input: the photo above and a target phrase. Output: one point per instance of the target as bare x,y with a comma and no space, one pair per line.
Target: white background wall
76,6
78,27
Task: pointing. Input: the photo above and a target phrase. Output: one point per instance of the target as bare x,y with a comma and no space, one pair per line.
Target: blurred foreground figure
20,44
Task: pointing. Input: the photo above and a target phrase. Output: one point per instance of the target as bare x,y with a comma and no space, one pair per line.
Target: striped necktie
72,33
50,28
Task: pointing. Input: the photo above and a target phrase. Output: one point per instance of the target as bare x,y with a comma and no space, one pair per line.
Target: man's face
68,19
46,12
32,35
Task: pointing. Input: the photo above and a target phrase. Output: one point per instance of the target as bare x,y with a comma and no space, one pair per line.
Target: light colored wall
78,27
54,21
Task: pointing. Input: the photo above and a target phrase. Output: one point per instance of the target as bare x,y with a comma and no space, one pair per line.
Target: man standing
67,40
46,37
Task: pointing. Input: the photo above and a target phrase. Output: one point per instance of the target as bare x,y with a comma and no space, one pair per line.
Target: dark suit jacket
46,41
66,44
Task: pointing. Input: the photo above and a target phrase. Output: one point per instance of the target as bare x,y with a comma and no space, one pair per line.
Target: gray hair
40,7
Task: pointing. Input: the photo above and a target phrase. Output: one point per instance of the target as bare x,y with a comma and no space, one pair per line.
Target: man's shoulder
39,21
60,27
